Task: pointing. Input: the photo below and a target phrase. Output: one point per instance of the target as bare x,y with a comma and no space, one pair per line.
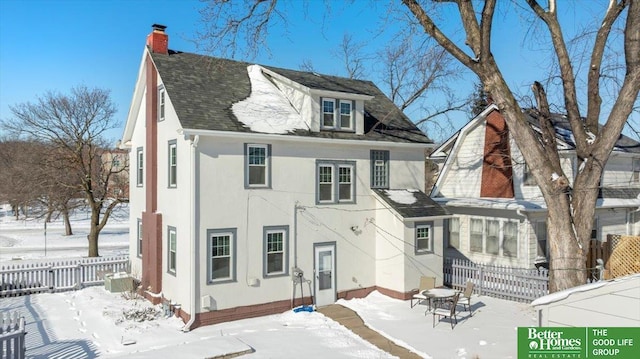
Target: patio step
352,321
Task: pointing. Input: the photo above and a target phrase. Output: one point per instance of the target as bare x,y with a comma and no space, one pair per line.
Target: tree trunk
67,222
94,231
567,260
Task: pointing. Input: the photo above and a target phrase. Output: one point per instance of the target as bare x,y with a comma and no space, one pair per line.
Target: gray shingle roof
563,132
202,90
423,206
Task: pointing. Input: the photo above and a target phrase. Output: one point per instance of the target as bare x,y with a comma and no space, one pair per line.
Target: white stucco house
499,212
245,175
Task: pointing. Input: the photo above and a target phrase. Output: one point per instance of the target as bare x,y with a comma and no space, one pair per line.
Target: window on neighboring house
257,165
510,239
221,255
173,163
337,114
140,167
636,170
335,190
527,176
476,230
379,169
172,253
139,238
541,236
161,103
276,243
492,236
453,232
423,238
115,162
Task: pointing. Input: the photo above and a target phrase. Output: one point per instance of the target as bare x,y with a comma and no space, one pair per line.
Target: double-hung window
257,166
328,113
161,103
423,241
335,182
140,166
337,114
510,239
139,251
453,232
172,253
173,164
379,169
494,236
221,259
476,230
276,244
636,170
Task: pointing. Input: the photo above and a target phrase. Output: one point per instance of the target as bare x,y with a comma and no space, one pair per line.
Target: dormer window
337,114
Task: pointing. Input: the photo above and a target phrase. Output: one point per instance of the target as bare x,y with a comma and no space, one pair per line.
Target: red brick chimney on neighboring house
157,40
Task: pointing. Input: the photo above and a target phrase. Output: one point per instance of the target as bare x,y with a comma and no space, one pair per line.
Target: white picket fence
522,285
12,336
58,276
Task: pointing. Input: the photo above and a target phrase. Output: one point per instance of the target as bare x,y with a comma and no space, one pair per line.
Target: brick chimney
157,40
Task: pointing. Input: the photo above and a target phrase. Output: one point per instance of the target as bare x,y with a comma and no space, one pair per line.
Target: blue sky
54,45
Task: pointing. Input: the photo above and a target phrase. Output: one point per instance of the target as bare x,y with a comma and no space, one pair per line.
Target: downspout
193,231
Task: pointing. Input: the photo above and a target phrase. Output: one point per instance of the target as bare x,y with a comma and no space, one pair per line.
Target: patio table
439,294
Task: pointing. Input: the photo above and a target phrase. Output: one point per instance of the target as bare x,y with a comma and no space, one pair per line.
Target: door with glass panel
325,274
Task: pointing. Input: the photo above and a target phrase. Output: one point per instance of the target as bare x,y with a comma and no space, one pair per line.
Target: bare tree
74,126
570,208
350,52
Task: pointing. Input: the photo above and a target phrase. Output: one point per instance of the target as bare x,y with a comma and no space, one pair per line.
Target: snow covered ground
95,323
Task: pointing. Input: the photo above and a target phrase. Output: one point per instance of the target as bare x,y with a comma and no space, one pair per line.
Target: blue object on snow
303,308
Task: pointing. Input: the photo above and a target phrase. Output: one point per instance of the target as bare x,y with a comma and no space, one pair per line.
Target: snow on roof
402,196
267,110
528,205
563,294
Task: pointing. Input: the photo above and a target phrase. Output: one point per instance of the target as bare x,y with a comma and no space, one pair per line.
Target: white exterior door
325,278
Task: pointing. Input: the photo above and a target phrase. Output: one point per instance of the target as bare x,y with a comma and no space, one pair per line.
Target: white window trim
384,165
448,229
351,116
501,223
429,249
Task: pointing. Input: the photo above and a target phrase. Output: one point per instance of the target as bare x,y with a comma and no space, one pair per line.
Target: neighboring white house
610,303
499,212
247,175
